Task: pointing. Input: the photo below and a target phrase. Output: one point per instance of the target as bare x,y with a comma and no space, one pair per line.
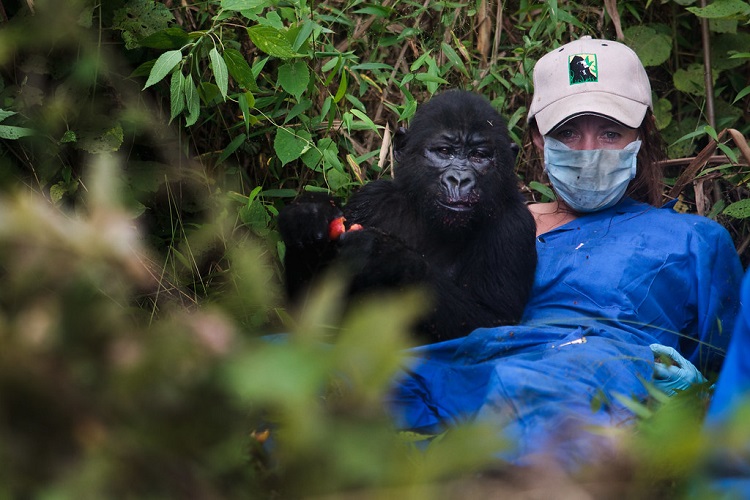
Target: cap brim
621,109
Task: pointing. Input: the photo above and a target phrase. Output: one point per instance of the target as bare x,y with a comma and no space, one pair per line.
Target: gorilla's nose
458,183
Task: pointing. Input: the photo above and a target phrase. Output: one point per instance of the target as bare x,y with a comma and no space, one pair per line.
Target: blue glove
677,373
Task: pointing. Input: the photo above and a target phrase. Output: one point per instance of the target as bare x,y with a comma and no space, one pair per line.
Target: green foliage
145,150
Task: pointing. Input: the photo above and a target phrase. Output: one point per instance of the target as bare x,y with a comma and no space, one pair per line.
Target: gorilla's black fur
451,219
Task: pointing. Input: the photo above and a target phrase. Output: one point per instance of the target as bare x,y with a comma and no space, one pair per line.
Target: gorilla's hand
377,259
305,222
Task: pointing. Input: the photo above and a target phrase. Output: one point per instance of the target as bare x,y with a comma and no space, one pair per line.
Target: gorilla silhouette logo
582,68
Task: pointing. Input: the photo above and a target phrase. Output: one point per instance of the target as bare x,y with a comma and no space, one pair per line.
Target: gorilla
579,71
451,220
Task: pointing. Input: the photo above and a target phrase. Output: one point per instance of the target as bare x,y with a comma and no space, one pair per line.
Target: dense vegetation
145,148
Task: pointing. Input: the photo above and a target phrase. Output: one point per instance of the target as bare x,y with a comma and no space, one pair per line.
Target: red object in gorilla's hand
336,228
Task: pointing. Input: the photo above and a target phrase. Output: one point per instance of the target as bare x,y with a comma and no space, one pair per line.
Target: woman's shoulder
549,216
671,221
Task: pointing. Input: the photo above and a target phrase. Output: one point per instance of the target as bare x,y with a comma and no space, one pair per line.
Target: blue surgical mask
592,179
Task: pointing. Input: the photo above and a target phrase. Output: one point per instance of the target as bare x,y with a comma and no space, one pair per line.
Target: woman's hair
648,184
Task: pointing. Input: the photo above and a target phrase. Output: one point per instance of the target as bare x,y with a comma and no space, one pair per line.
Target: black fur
452,219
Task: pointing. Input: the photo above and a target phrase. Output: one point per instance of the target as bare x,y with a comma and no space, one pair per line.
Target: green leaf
255,216
68,136
170,38
290,144
238,5
231,148
728,152
294,77
220,72
96,142
337,180
742,94
303,34
271,41
139,19
739,209
639,409
163,65
454,58
11,132
721,8
542,189
365,119
6,114
240,70
192,101
370,66
143,70
690,80
341,91
176,95
653,48
428,78
419,62
245,102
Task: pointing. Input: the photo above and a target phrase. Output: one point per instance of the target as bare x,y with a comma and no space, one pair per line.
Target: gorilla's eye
479,156
444,151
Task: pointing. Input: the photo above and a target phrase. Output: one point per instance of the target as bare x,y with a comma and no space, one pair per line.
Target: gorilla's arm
304,226
451,219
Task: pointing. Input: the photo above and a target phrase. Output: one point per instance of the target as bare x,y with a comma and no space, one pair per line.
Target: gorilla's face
458,162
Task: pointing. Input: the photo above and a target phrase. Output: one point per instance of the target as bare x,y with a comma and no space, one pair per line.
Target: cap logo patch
583,68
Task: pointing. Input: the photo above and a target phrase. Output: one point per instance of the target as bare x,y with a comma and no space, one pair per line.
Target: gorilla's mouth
457,205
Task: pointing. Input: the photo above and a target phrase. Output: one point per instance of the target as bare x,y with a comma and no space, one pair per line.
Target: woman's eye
564,135
611,136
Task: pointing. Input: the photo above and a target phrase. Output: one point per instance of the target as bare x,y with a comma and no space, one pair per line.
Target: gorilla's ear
516,149
400,138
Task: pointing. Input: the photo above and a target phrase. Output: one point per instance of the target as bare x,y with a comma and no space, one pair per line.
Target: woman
616,275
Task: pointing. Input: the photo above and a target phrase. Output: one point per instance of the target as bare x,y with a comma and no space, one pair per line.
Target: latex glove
677,375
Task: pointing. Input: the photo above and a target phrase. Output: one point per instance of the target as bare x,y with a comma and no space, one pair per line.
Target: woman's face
592,132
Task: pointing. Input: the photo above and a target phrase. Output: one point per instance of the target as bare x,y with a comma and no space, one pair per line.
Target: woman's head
588,84
589,76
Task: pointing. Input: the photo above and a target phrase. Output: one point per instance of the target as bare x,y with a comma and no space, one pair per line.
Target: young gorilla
452,220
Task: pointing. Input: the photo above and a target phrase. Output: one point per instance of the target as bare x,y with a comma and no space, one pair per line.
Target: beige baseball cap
590,76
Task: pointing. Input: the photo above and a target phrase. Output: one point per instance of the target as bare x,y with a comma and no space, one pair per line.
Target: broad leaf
271,41
11,132
294,77
177,95
220,72
5,114
139,19
721,8
653,48
240,70
739,209
163,65
289,144
97,142
170,38
192,100
237,5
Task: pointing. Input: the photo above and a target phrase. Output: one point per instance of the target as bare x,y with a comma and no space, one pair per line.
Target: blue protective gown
730,471
733,386
608,284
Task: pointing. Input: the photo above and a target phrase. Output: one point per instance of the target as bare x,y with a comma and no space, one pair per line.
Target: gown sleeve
718,275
